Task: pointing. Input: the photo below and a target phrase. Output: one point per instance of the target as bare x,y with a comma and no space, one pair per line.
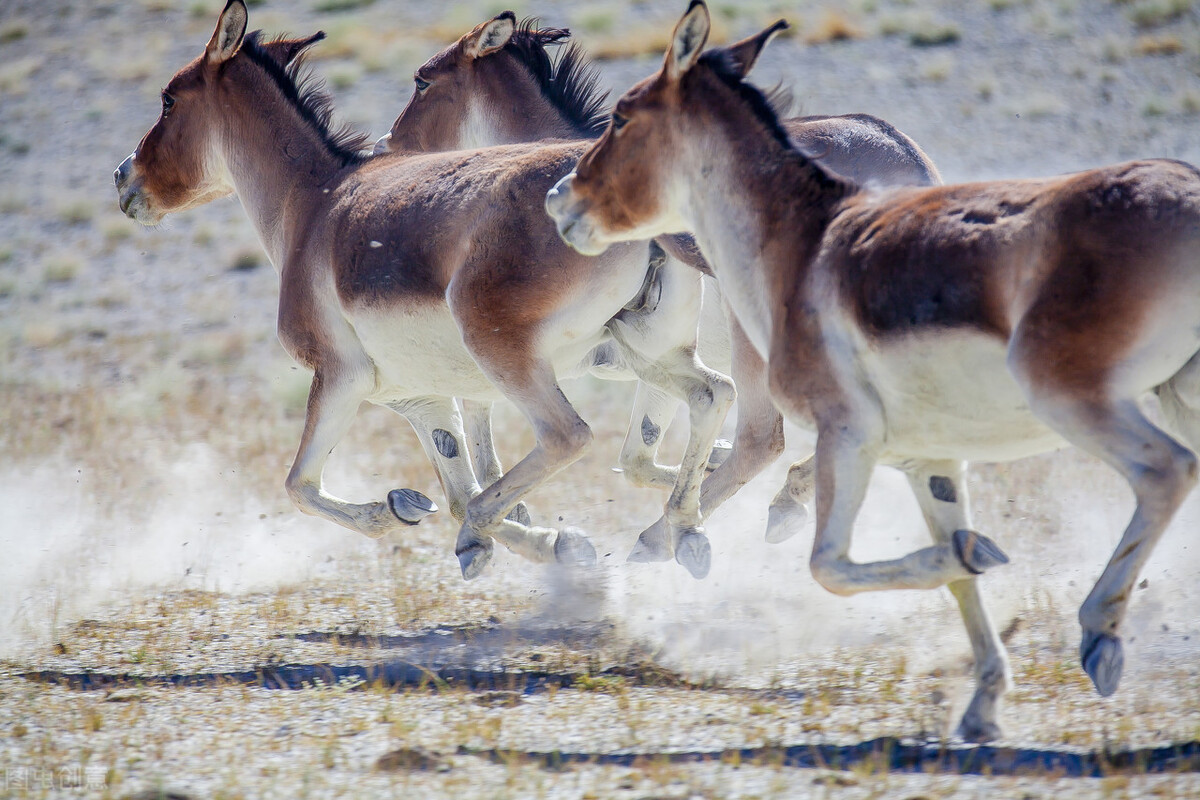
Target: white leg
333,402
439,427
941,490
792,504
477,419
708,395
653,410
846,453
562,437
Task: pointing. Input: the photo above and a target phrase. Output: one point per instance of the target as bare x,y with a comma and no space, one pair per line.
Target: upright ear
284,51
491,35
227,38
744,54
687,42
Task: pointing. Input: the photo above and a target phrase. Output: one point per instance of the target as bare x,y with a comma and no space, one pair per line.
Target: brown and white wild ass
407,281
926,327
497,85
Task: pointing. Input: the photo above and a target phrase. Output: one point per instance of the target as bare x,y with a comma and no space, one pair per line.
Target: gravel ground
149,418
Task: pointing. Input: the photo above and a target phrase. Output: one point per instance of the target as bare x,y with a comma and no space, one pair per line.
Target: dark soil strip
393,674
889,754
476,636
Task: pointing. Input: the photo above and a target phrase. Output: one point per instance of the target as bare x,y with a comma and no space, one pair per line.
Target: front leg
708,395
333,401
485,461
847,448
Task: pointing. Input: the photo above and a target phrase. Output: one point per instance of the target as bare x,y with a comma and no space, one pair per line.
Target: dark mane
724,67
307,93
569,82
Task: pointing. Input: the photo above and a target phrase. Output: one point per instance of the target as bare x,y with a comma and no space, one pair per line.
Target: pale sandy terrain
148,417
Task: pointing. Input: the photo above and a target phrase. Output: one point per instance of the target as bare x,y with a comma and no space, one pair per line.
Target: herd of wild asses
509,232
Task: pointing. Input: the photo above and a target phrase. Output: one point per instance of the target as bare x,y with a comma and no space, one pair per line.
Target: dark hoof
978,731
1103,660
977,552
722,450
410,506
784,522
520,515
652,545
573,548
474,559
695,553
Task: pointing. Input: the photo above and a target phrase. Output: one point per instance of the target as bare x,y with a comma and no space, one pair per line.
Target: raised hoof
721,451
1103,660
520,515
410,506
573,548
977,552
978,731
695,553
473,559
784,522
652,545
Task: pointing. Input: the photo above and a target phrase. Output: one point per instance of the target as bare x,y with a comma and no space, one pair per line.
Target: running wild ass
390,269
922,328
498,85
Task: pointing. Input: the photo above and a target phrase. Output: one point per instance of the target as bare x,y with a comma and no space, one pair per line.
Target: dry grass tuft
1152,13
647,40
1152,45
833,26
62,268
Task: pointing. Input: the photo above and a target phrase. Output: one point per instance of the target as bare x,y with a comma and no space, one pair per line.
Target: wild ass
924,327
407,281
499,85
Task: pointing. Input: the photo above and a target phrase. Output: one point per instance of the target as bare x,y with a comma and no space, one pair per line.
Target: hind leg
1160,471
940,487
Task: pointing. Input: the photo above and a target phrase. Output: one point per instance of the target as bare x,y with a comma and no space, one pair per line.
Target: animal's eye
618,121
422,84
167,102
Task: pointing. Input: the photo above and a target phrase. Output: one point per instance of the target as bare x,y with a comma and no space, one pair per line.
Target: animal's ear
743,54
491,35
227,38
687,42
284,51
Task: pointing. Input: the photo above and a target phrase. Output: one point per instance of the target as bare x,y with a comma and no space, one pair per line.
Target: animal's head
176,165
497,85
629,185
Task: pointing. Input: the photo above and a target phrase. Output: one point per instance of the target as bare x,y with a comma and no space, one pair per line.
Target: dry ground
149,417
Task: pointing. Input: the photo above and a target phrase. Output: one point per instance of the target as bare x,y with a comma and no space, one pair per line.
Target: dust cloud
66,552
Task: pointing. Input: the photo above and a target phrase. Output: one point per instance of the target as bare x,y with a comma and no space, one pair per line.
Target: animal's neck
532,117
279,165
758,212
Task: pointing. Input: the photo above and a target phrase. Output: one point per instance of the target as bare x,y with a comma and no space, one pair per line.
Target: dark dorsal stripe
570,82
306,93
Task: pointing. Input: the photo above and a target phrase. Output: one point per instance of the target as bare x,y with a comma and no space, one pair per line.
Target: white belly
952,396
419,352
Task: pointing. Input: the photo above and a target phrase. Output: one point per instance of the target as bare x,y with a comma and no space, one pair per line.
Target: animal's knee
717,393
568,442
827,570
300,491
